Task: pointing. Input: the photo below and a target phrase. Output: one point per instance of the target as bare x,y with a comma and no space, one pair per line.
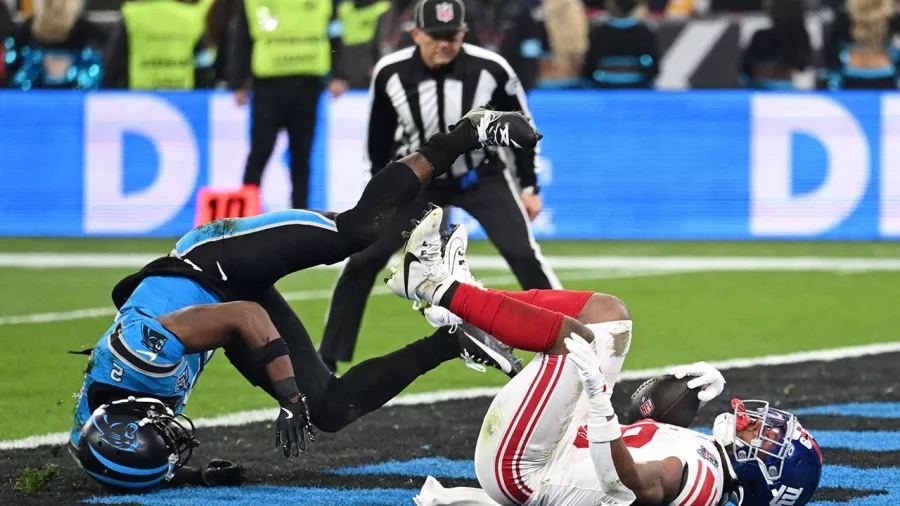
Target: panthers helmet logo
118,435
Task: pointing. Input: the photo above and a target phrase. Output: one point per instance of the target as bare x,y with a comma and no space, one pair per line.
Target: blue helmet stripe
129,484
127,470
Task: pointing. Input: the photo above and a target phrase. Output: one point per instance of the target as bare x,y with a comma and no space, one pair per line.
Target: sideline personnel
160,45
424,90
285,50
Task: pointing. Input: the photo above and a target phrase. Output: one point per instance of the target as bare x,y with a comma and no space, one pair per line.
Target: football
664,399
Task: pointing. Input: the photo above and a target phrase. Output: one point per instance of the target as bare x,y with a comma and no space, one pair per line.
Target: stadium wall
626,165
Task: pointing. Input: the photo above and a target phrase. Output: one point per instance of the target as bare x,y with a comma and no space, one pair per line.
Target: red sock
567,302
512,322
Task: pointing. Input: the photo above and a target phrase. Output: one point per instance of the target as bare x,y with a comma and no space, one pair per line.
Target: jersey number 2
116,373
639,434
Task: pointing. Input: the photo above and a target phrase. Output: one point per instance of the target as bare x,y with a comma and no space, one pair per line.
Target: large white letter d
774,211
107,208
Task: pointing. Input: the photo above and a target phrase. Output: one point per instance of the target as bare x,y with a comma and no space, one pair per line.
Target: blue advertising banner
618,165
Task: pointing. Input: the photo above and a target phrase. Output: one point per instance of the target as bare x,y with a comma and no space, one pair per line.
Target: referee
415,93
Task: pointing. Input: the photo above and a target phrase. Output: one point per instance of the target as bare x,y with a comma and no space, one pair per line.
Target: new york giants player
551,436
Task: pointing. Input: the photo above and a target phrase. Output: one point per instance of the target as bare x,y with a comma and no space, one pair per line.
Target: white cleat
421,275
455,256
456,264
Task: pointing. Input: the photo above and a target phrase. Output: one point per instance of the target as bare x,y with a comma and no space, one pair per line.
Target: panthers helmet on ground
134,443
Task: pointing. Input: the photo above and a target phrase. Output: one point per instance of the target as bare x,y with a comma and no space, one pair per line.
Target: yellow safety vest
360,24
290,37
162,35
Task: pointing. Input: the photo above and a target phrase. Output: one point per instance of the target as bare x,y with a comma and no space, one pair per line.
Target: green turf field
679,317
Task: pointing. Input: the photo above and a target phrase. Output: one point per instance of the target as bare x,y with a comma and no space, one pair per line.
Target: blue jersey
139,355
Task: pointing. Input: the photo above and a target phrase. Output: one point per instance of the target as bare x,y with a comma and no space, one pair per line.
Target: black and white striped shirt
410,102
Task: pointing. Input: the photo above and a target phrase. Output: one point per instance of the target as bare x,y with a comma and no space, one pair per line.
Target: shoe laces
485,129
431,257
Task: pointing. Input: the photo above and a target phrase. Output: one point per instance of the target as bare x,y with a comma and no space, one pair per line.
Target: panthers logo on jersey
153,340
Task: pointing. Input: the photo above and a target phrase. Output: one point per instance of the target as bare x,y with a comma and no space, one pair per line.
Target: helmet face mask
135,443
773,436
774,460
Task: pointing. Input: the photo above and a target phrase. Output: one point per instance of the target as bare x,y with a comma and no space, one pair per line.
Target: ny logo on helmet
444,12
786,496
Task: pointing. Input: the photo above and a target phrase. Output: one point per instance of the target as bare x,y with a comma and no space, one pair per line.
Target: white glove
603,425
585,358
707,378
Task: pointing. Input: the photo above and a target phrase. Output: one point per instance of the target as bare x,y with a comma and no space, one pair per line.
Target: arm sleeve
336,40
117,59
510,96
381,125
241,48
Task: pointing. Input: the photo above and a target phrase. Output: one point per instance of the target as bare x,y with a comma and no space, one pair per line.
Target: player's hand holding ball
705,377
293,430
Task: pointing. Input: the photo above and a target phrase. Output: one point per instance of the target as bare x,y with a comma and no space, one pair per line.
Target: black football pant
249,255
494,202
290,103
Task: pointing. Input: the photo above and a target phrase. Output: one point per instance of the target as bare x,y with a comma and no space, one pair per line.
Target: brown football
664,399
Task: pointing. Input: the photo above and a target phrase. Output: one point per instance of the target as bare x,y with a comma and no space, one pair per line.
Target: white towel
434,494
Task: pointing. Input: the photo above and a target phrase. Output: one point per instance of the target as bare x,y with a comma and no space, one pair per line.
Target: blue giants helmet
781,464
134,444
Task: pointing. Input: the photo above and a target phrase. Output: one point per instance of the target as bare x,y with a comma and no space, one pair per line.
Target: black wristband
270,351
286,389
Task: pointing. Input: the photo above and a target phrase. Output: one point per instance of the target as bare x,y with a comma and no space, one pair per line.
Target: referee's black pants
494,202
291,103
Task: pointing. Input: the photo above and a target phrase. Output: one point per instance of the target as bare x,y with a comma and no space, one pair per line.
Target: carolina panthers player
216,290
551,436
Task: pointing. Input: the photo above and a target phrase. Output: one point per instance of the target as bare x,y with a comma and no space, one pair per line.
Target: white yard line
268,415
663,263
609,266
96,312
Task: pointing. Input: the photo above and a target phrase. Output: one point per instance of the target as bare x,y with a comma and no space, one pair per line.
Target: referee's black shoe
502,128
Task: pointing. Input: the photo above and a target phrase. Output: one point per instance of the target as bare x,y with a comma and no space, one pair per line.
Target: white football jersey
570,479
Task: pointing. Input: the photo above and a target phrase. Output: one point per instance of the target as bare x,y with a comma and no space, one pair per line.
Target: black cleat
502,128
478,349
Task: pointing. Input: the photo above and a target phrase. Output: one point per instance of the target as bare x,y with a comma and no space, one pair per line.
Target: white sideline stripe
269,415
80,314
664,263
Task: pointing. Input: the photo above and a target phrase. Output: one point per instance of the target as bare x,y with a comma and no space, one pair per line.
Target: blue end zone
438,467
834,476
871,441
887,480
862,479
863,409
259,495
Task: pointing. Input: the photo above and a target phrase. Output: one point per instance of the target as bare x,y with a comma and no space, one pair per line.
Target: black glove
294,429
222,473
